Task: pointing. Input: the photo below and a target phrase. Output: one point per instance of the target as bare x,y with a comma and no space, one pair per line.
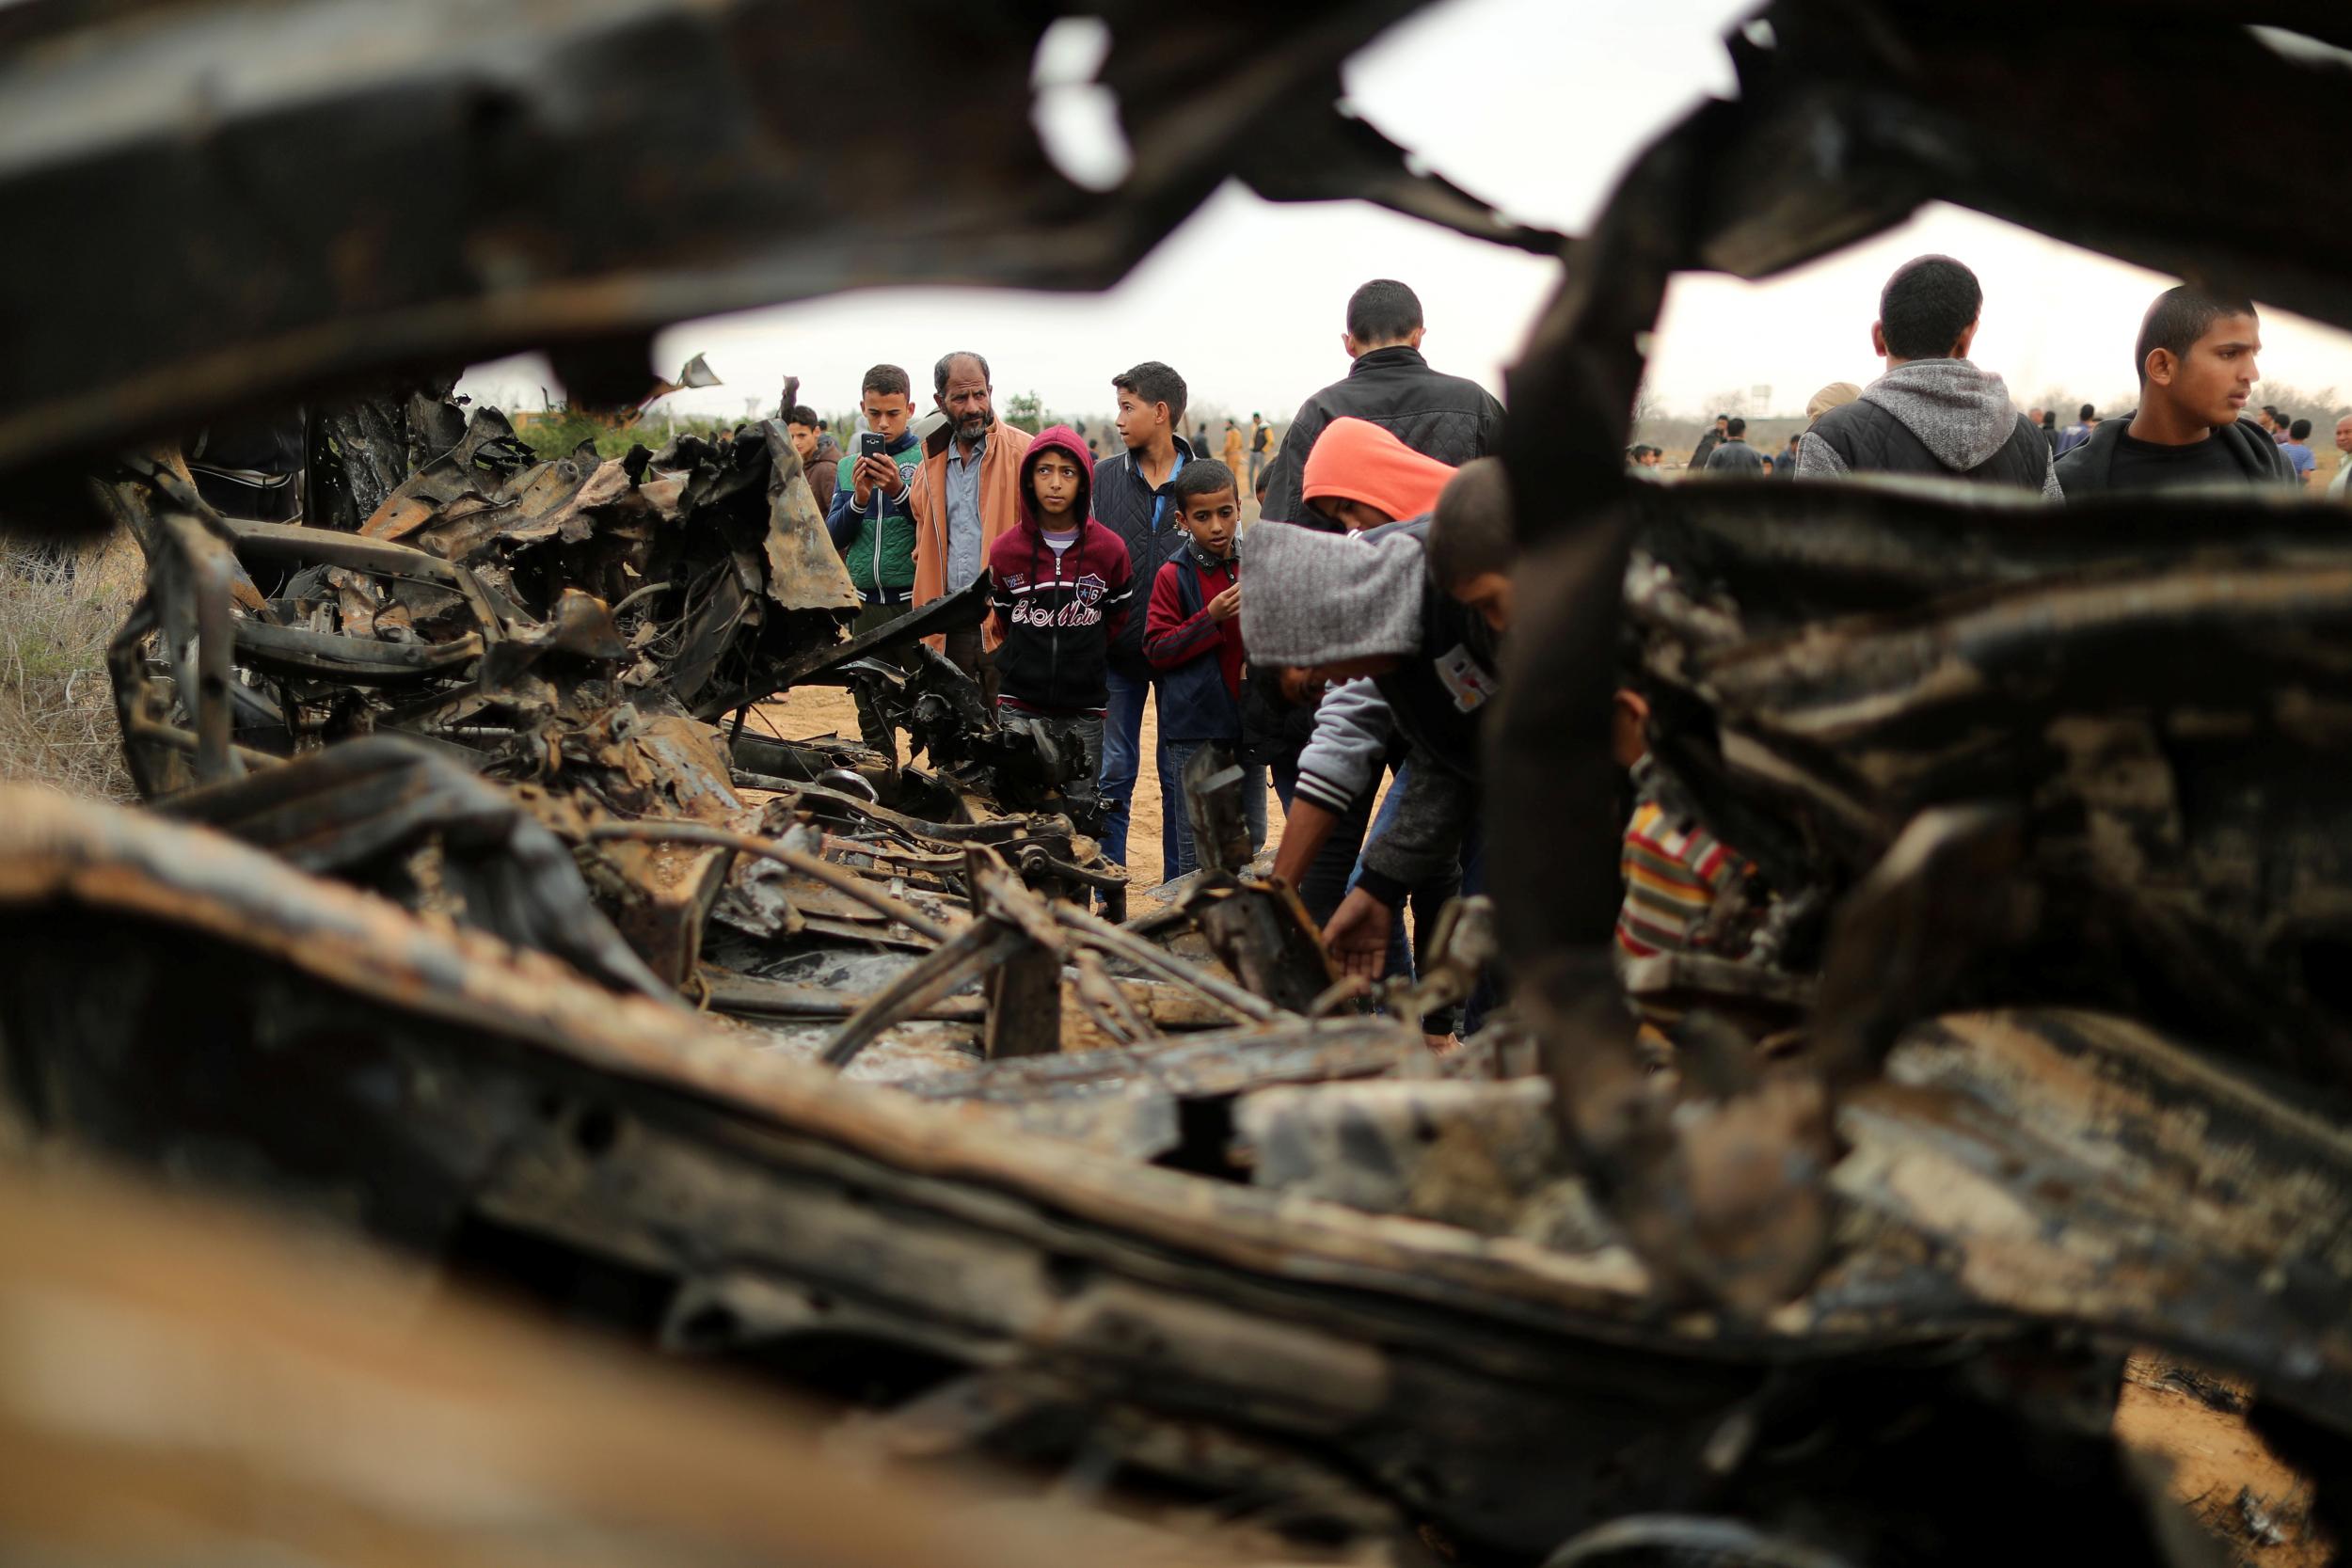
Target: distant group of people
1934,412
1363,648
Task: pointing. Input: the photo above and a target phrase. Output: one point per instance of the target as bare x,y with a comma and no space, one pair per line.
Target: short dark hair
1471,533
2087,411
2299,431
800,413
1265,477
2180,317
1722,419
1153,382
2049,419
1737,427
2271,409
1202,476
886,380
1926,305
1383,311
939,372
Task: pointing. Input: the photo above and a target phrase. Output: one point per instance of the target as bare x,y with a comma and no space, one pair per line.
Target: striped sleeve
1674,872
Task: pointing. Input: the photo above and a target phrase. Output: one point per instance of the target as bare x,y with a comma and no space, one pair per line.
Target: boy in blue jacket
1192,640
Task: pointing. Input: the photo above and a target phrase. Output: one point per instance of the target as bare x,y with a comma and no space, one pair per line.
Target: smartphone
870,444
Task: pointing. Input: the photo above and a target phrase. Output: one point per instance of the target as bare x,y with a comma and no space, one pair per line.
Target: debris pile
466,912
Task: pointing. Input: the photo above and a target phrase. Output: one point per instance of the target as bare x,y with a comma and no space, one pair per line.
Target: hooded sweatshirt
1358,461
1057,614
1317,598
1935,417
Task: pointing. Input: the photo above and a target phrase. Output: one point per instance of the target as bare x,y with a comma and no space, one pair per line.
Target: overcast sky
1537,106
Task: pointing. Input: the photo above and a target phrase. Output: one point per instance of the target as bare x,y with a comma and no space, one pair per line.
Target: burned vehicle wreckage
465,909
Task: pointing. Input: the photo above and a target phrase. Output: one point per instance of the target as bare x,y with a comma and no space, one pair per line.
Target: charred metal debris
470,911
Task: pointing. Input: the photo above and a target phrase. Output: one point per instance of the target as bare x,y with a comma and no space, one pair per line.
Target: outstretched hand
1357,935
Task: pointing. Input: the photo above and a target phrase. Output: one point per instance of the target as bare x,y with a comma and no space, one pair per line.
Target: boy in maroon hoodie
1061,591
1192,640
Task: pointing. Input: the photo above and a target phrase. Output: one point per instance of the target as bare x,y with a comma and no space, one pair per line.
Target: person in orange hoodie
965,495
1358,477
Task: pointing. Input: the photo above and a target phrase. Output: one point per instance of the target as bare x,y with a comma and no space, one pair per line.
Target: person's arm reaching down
1340,762
1423,840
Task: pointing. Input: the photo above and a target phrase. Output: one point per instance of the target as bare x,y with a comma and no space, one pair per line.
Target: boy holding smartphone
872,524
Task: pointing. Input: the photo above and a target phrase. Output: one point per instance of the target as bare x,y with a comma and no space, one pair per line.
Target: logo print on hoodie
1085,607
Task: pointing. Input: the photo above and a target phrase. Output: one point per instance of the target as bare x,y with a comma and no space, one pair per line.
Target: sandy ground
2225,1474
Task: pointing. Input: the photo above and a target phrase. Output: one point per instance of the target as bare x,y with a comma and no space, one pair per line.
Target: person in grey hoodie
1367,606
1933,413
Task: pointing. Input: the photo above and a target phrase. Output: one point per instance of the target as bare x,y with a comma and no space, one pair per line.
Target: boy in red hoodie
1192,640
1061,590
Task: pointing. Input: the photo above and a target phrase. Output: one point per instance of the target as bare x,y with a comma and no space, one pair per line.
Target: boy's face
803,438
1211,518
886,414
1488,594
1138,421
1055,478
1353,516
2212,382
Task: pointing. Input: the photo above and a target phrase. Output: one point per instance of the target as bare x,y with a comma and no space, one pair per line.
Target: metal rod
972,951
768,849
1100,933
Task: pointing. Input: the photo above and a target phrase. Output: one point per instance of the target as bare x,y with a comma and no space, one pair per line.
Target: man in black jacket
1702,453
2197,371
1732,457
1444,417
1933,413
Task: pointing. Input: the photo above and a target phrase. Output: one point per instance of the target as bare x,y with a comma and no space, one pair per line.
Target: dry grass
57,611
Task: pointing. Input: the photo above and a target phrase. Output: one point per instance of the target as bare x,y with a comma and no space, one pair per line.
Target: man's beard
973,426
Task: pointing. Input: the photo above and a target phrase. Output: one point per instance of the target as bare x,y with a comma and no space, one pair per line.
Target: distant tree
1647,409
1026,412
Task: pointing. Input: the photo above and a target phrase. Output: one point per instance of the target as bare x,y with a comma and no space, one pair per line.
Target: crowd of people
1361,655
1936,413
1353,674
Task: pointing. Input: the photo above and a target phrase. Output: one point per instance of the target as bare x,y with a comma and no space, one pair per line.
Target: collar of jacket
1203,559
935,444
2237,438
1381,359
1130,463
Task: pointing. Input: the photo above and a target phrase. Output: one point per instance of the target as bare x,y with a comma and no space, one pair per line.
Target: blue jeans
1429,900
1122,743
1175,754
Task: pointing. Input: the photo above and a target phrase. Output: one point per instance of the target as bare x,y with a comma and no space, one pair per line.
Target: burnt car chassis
1761,1310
